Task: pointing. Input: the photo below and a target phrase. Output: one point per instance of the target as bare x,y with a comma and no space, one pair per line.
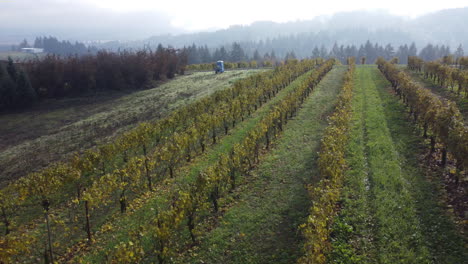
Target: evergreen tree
323,52
237,53
369,51
290,56
413,51
223,54
25,94
315,52
193,54
389,52
402,54
256,56
204,54
459,52
39,43
335,51
11,69
7,89
273,55
216,55
361,52
429,53
23,44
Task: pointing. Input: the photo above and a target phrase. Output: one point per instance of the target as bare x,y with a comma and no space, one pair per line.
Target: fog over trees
236,52
351,28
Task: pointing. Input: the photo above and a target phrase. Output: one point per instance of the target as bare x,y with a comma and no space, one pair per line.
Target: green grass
126,224
391,211
440,234
55,128
260,224
352,234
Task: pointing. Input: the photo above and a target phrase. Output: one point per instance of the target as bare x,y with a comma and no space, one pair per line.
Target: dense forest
54,76
273,51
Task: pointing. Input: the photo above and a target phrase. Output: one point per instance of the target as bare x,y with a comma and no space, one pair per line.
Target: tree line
202,54
258,51
53,45
55,76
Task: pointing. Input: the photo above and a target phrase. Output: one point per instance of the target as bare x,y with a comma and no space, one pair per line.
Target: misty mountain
446,27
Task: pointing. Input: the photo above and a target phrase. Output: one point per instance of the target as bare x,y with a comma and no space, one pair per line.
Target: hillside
442,27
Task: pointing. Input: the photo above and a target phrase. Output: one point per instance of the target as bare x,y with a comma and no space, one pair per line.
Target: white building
32,50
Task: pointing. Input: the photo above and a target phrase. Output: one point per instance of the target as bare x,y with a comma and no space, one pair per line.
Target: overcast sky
153,17
202,14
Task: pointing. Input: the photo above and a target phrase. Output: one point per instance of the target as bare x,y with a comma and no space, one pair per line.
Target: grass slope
55,128
261,226
391,212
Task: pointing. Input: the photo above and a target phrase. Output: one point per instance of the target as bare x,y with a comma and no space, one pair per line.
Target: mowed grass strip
352,235
261,226
391,212
446,244
121,228
398,232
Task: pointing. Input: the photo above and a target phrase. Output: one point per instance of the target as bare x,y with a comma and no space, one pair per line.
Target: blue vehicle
219,67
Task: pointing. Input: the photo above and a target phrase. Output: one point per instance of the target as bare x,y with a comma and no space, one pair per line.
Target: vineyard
307,162
65,126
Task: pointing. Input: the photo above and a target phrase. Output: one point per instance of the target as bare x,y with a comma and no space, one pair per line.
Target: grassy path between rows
123,226
391,211
262,225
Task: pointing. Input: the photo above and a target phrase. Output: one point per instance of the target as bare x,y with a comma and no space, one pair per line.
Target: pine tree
7,89
389,52
24,44
323,52
237,53
315,52
459,52
413,51
223,54
216,55
11,69
205,55
25,94
273,55
256,56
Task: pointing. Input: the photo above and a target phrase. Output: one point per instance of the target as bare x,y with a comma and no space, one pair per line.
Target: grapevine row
332,167
444,75
188,201
137,172
438,116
